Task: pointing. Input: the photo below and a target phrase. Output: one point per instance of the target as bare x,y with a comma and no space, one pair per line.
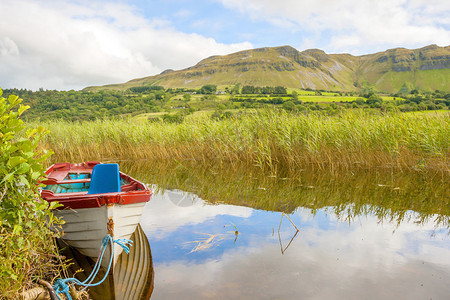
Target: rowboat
97,200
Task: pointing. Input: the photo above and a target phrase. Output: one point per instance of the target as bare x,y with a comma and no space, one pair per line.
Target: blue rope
61,285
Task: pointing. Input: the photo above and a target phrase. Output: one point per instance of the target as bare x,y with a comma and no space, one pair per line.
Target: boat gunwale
75,200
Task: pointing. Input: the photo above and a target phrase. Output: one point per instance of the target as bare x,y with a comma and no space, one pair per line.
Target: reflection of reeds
390,196
214,239
284,249
269,139
282,215
207,242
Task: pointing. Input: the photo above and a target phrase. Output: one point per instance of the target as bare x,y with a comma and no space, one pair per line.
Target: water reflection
390,196
327,259
220,233
133,275
381,235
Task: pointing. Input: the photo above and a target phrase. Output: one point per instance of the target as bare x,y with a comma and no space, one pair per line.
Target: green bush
221,115
27,249
173,118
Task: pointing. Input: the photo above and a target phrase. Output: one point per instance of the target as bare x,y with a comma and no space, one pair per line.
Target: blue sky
71,44
213,19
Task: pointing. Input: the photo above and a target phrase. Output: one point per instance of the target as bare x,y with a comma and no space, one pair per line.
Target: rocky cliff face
425,68
427,58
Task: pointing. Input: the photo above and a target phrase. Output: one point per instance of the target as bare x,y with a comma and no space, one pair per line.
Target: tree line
86,105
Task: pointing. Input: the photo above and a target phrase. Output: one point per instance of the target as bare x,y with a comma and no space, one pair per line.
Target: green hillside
426,69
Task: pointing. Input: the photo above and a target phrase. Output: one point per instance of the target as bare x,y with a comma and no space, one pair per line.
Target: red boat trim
134,192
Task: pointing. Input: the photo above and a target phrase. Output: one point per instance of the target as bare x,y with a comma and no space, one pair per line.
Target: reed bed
269,139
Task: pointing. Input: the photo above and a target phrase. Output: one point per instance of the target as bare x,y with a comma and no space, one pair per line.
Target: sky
71,44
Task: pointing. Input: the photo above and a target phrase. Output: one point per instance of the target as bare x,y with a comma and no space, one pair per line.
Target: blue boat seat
105,178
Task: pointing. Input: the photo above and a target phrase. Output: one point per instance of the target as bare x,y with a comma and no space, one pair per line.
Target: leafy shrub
208,89
221,115
176,118
27,249
288,105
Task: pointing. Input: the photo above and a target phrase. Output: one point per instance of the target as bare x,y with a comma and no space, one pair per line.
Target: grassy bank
268,138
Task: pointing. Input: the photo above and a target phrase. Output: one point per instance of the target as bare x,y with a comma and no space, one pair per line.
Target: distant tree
236,88
288,105
248,89
359,101
375,101
280,90
208,89
415,99
187,97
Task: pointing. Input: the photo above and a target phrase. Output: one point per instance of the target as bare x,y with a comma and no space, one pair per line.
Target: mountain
426,68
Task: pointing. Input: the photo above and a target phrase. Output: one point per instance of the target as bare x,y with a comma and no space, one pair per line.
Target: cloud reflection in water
329,258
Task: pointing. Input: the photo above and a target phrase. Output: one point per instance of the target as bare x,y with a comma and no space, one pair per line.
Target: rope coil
61,286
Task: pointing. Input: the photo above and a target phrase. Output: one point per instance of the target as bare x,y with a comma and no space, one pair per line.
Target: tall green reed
268,138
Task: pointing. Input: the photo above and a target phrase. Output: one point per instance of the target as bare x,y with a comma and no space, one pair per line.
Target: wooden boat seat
58,175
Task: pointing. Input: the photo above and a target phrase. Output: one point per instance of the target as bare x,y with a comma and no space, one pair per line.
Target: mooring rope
61,286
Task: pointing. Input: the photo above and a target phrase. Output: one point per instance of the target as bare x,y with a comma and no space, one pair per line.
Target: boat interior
101,178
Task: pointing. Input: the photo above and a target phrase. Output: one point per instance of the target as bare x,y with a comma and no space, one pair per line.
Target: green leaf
24,181
35,175
42,205
29,154
8,177
41,129
31,132
54,205
22,108
23,168
15,160
17,229
13,101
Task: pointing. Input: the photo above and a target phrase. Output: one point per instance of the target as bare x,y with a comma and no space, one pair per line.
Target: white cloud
367,25
340,262
173,209
64,44
8,47
75,43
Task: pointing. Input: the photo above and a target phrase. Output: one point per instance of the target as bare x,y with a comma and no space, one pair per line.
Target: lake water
221,233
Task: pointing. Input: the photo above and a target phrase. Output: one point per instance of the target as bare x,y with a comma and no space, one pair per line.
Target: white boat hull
85,228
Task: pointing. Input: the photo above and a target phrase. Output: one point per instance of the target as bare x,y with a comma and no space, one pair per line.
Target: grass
267,138
328,98
337,98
